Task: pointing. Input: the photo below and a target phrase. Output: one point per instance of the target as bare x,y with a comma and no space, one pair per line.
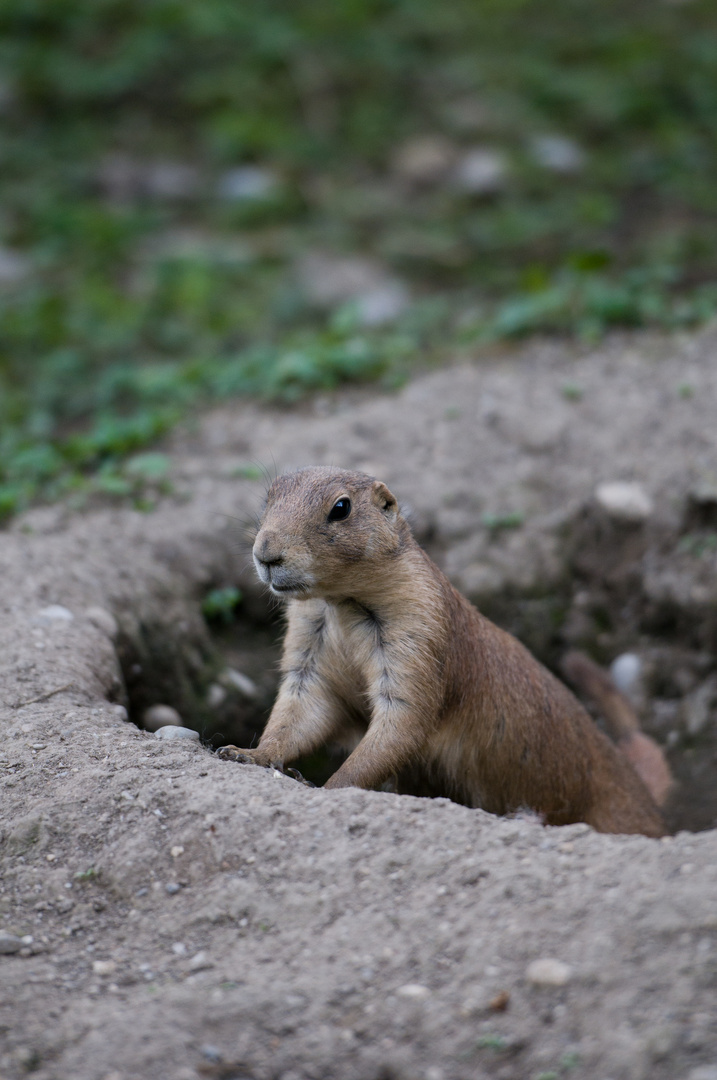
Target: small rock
548,972
382,305
328,281
557,153
179,948
624,501
425,159
176,851
159,716
119,178
171,180
119,712
216,695
697,707
248,183
211,1053
199,961
181,734
481,171
9,944
416,991
105,622
55,613
13,266
104,967
626,673
172,888
239,681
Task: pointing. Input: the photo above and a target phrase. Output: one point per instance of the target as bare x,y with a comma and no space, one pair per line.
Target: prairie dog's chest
356,632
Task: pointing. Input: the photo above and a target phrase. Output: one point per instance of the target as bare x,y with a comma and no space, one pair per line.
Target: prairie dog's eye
340,510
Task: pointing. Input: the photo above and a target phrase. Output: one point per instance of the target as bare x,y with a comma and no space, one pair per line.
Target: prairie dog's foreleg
403,711
306,712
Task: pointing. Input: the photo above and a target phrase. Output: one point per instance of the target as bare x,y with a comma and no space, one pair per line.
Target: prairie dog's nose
267,549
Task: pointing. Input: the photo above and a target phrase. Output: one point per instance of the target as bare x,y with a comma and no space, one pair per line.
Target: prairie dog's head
324,530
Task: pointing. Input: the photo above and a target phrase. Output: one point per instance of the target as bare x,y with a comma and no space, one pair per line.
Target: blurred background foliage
214,198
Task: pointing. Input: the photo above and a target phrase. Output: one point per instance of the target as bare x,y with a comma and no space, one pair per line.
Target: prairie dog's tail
642,752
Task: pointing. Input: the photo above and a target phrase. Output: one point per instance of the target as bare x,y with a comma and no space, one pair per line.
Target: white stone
239,681
248,183
160,716
9,944
626,672
55,613
103,620
413,990
328,281
698,706
481,171
624,501
182,734
424,159
13,266
216,695
104,967
172,180
382,305
557,153
548,972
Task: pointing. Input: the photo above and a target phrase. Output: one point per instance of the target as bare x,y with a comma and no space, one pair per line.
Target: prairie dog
378,640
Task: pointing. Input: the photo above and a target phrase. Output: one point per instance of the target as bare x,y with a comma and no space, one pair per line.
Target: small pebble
172,888
216,695
481,171
199,960
623,501
626,670
103,620
9,944
548,972
159,716
557,153
176,851
179,948
413,990
104,967
211,1053
240,682
55,613
180,733
247,183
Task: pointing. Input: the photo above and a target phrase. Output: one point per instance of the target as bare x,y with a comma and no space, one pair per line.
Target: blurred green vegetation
141,276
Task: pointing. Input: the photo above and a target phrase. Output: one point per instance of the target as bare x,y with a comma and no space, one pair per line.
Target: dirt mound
166,914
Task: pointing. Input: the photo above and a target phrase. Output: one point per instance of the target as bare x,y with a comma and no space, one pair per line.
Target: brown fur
641,751
379,642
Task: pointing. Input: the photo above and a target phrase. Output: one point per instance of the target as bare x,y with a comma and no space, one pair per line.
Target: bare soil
183,917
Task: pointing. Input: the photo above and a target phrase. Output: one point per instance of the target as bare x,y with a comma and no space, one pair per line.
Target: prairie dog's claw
296,775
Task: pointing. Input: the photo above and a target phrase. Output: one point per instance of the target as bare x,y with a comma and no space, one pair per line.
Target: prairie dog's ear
383,499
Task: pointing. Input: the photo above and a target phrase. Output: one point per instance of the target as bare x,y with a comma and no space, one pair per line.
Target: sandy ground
166,914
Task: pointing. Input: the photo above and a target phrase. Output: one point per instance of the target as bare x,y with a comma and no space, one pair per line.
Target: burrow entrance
216,661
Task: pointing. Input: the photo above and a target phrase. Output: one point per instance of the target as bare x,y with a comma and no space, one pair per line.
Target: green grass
133,309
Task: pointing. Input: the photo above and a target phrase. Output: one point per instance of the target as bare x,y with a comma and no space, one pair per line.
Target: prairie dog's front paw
244,757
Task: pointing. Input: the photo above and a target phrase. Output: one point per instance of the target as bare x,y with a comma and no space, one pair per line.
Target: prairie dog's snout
267,551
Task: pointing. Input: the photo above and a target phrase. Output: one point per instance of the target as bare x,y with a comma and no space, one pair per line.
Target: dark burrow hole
220,672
